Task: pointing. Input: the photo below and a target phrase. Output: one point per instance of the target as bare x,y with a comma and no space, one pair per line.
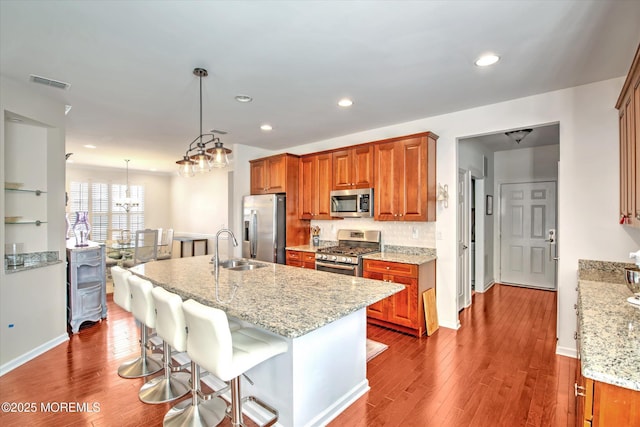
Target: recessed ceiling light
486,60
153,170
89,146
266,127
345,102
243,98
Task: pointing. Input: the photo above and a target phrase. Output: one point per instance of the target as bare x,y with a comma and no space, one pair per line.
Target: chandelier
127,203
200,156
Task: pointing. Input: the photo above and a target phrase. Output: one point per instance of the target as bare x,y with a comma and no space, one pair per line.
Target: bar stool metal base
162,389
144,365
140,367
204,414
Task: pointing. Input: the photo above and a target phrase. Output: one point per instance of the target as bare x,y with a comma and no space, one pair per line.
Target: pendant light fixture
199,158
127,203
518,135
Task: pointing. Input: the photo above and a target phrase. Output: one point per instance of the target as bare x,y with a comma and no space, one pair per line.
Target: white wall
33,302
157,187
588,182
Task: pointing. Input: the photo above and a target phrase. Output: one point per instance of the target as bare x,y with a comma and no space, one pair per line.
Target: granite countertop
609,329
303,248
288,301
416,259
34,260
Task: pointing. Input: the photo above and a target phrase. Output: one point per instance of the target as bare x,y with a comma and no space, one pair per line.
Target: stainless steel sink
241,265
249,266
231,263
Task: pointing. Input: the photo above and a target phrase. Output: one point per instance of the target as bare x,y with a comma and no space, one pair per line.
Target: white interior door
528,219
463,243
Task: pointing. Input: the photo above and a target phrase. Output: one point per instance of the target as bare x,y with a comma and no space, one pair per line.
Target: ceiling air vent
49,82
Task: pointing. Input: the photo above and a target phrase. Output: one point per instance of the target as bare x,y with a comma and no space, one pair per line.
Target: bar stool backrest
142,306
170,324
209,341
121,289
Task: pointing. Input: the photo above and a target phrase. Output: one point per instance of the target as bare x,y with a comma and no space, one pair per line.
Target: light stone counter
609,329
322,317
287,301
401,257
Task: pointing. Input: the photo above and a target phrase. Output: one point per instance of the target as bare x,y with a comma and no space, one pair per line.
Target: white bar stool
200,410
122,297
143,310
228,354
170,327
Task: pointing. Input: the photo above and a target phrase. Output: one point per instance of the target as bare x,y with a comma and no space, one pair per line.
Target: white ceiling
134,95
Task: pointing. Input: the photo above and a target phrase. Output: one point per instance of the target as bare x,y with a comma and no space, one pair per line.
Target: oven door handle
336,266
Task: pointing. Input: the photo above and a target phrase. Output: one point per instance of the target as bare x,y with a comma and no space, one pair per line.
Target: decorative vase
81,229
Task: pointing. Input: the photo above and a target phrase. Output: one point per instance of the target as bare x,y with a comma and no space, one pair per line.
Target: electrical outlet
414,233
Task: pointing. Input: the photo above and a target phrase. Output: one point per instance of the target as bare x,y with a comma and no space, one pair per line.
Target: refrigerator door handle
253,232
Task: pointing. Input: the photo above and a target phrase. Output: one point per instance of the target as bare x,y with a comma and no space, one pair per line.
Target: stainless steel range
346,257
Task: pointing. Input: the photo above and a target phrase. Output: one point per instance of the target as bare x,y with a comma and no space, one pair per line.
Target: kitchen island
322,316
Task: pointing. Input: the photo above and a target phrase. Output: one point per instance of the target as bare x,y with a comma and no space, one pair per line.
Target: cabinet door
294,258
362,166
323,185
412,199
404,304
258,177
387,186
276,174
306,187
379,309
342,179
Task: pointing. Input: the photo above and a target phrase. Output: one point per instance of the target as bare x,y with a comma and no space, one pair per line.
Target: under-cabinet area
607,387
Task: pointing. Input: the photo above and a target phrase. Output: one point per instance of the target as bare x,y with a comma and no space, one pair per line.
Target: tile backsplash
397,233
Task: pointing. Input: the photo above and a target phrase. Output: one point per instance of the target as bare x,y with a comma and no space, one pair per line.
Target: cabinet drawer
294,256
309,257
88,255
396,268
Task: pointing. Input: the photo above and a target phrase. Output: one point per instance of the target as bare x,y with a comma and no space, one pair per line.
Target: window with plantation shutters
99,199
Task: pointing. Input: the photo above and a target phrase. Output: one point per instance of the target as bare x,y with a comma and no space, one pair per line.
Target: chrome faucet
216,256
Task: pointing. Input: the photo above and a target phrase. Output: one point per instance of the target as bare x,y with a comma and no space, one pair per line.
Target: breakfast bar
322,316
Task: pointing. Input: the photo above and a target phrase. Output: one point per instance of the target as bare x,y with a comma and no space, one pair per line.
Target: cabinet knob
387,267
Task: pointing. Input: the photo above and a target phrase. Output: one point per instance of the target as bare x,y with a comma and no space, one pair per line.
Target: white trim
450,326
32,354
567,351
486,287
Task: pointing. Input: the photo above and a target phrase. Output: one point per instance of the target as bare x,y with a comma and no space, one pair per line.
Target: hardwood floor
499,369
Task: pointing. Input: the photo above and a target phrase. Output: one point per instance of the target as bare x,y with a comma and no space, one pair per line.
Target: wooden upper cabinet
353,167
271,175
314,186
628,106
405,178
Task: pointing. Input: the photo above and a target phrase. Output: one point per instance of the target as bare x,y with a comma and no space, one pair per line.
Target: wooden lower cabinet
403,311
301,259
600,404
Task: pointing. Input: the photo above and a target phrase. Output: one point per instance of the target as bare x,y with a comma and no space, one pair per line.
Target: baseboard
455,326
339,406
567,351
32,354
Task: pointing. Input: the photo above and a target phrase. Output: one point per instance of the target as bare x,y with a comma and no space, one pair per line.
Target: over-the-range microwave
352,203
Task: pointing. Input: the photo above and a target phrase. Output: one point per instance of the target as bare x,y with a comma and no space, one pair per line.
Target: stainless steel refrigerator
264,227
